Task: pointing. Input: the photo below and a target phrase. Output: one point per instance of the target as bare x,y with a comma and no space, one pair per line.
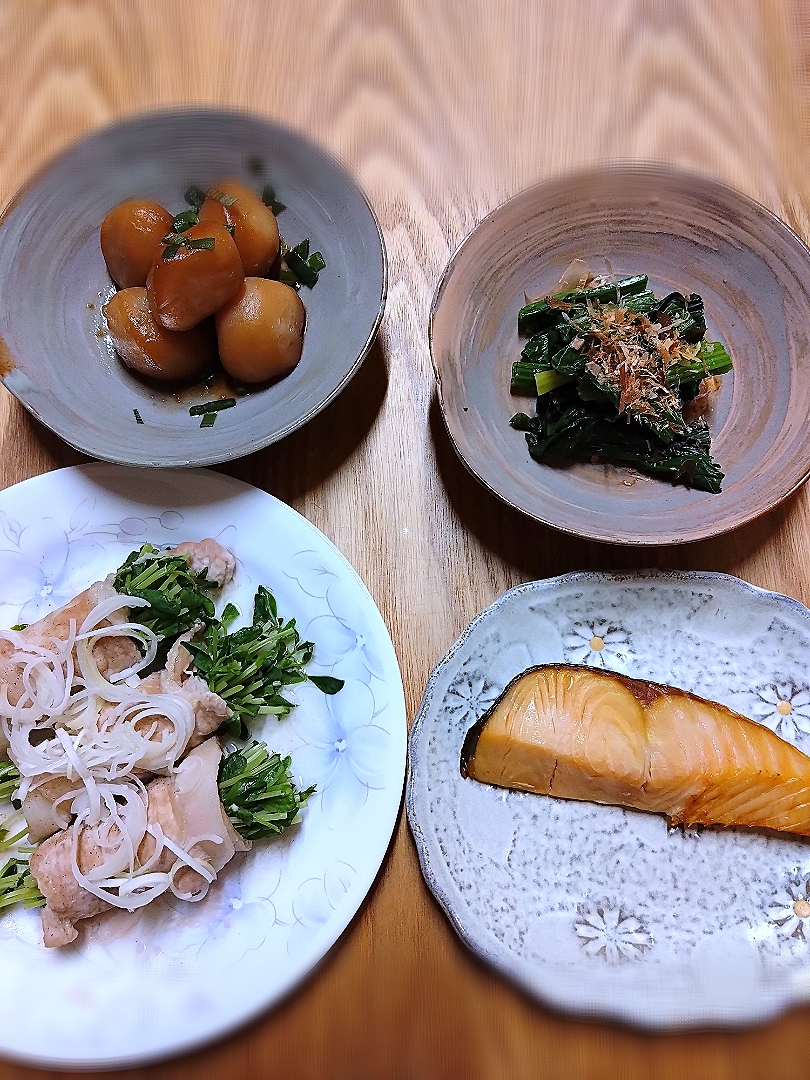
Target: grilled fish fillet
601,737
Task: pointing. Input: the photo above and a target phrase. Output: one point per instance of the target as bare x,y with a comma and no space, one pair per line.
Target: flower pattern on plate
608,932
41,566
599,644
316,901
789,909
471,692
345,752
784,709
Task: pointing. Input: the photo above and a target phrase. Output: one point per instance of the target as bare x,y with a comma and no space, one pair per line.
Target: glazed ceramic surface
687,233
54,283
603,911
136,987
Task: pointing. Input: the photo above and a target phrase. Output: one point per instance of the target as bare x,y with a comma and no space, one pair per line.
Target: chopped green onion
205,243
208,420
195,197
317,262
138,417
170,251
289,278
184,221
212,406
546,381
302,270
269,199
20,626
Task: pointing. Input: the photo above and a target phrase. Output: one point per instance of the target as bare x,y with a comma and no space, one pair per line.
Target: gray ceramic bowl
53,282
687,232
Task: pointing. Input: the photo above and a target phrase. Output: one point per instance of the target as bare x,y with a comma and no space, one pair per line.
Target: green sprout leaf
258,792
177,596
251,668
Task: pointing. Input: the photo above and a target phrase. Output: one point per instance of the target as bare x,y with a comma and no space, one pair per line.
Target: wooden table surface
443,108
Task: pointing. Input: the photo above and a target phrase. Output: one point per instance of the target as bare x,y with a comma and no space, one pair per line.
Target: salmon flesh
600,737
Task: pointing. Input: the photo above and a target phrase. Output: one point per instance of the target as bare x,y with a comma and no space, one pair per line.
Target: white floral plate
139,987
595,909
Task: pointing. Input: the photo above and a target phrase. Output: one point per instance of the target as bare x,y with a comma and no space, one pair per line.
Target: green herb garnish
258,792
208,420
269,199
175,241
20,626
185,220
212,406
251,667
195,197
300,267
177,596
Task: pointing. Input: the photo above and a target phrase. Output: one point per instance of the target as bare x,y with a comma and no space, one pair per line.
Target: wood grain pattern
443,108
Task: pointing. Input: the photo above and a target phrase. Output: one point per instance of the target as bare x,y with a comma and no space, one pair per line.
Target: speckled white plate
135,988
595,909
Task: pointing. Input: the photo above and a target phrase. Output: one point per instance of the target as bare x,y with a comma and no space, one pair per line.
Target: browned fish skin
598,736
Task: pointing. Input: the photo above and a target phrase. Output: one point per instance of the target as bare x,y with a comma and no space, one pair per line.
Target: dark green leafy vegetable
212,406
540,314
20,626
251,667
178,597
566,428
613,368
258,792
